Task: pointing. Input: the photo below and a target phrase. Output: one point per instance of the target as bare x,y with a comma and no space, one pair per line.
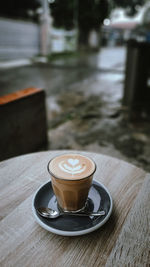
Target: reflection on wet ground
84,105
86,118
89,115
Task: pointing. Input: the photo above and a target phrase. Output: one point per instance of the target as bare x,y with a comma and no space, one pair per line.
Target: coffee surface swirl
71,166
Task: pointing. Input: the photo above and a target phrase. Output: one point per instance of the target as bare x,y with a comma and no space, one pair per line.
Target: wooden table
123,241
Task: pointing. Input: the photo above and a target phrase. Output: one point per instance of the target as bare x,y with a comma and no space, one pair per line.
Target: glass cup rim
60,178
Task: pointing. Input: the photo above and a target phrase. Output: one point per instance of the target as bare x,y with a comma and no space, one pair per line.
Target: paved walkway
84,105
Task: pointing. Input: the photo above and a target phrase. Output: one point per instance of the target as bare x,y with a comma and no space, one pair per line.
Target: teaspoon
50,213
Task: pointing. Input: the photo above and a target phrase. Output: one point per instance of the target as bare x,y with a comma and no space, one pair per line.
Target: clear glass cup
71,176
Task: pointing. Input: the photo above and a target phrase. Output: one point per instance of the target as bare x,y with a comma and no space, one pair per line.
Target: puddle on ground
88,122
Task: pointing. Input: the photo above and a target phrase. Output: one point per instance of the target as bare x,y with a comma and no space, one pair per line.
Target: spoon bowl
52,214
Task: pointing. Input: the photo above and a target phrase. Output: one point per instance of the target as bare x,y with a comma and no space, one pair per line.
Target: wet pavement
84,105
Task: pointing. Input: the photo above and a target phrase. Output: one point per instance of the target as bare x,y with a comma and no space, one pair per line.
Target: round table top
122,240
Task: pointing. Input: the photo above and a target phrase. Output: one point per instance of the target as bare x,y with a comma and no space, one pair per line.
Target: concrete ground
84,104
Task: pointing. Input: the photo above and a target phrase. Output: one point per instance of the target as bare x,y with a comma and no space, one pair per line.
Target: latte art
71,166
73,169
73,162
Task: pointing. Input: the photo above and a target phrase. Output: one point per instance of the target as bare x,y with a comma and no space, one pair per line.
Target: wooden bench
22,122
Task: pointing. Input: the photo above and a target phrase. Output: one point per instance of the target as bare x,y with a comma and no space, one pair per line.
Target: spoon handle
99,213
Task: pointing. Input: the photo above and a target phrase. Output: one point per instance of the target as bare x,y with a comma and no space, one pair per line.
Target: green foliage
126,3
17,8
62,12
92,13
86,14
62,55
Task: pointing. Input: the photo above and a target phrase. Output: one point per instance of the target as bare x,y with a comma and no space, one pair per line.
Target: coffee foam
71,166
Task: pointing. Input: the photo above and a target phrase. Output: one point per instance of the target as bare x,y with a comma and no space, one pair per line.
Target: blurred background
92,58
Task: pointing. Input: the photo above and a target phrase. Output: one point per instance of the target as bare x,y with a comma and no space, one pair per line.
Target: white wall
18,39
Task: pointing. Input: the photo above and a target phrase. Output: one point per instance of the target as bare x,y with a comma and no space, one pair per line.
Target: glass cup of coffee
71,176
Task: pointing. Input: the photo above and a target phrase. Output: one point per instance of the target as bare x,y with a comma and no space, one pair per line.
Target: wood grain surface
133,245
25,243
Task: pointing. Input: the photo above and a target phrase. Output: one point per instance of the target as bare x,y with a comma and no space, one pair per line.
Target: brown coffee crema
71,167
